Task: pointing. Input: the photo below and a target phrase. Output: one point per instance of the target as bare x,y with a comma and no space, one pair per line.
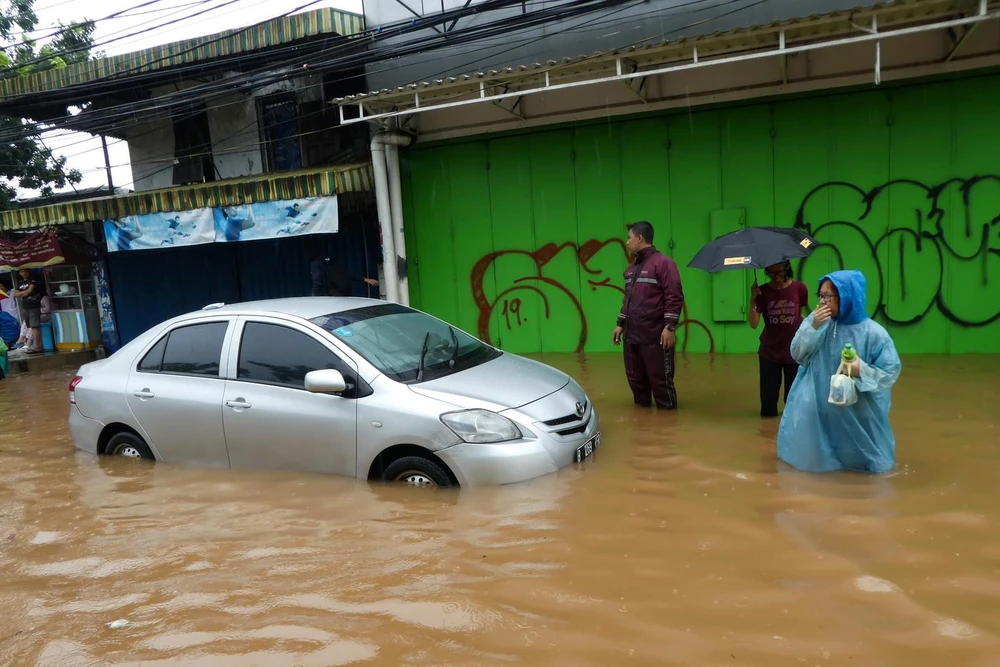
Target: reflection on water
684,543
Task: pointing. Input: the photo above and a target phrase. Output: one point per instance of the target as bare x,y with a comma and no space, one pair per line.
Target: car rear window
189,350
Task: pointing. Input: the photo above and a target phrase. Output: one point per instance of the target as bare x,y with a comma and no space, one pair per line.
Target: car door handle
238,403
145,393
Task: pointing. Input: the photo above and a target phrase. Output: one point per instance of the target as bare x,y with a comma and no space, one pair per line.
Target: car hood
509,381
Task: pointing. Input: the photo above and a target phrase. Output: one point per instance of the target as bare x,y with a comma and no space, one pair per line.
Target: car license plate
585,451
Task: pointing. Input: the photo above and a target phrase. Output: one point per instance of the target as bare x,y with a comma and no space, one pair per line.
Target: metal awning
283,30
261,188
779,39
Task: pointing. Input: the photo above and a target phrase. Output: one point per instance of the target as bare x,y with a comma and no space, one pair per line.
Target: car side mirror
325,381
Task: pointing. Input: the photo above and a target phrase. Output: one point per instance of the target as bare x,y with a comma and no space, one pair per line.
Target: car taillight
72,388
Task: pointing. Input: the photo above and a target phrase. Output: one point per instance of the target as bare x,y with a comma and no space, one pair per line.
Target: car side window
154,358
278,355
189,350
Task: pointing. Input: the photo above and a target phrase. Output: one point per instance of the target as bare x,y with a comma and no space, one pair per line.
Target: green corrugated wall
519,239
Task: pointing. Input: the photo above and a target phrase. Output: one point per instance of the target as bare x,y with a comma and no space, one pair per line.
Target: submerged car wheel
416,471
128,445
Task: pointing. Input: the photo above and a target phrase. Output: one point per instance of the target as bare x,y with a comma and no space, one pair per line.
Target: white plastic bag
842,388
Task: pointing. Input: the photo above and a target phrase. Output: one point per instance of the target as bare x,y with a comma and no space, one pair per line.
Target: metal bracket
511,105
878,45
783,59
638,84
966,33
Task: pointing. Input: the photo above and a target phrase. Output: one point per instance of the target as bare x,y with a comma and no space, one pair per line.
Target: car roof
306,307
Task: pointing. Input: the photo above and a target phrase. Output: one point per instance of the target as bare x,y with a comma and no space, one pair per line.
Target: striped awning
273,33
261,188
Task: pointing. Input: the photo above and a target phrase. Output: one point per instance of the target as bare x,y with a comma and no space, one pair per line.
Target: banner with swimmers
223,224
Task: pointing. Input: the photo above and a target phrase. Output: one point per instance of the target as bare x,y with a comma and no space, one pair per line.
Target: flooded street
683,543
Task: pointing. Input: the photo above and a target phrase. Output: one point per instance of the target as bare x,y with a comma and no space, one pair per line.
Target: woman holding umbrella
780,303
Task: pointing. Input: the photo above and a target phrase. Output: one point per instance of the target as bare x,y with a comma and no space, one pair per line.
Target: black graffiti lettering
920,246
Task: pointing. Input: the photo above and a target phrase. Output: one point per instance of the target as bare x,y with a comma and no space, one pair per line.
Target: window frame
360,390
165,336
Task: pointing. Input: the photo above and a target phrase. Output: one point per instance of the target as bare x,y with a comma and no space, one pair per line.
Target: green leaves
25,162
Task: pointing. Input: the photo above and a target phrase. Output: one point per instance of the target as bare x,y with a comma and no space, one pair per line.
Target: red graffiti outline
543,256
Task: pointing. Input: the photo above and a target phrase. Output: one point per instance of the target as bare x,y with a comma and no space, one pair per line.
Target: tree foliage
24,160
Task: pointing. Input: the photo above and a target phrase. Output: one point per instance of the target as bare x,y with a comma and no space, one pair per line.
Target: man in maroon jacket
650,311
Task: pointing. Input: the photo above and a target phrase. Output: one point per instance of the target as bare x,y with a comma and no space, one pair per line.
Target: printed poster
160,230
224,224
275,219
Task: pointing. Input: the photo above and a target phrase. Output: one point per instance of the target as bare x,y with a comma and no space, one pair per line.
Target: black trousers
649,370
770,384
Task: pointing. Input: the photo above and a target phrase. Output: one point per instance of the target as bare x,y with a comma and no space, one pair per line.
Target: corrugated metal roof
797,30
260,188
273,33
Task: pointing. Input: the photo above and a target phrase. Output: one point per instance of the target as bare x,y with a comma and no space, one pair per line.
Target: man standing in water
648,319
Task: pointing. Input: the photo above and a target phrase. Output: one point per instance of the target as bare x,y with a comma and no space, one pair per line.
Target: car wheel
416,471
128,445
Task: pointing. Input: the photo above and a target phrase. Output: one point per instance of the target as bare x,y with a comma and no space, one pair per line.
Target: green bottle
848,354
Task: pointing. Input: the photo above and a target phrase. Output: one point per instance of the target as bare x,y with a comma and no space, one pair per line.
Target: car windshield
405,344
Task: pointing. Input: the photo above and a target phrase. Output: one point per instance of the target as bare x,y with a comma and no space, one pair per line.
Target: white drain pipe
396,208
385,168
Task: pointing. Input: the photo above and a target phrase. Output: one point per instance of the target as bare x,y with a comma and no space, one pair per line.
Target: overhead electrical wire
213,90
62,30
14,68
128,16
493,55
591,21
267,75
243,148
595,23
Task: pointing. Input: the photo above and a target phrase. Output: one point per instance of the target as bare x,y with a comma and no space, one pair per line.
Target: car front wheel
128,445
416,471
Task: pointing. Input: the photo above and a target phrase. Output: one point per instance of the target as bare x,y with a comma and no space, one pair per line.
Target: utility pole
107,165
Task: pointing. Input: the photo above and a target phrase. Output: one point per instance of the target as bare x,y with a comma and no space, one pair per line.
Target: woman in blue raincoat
818,436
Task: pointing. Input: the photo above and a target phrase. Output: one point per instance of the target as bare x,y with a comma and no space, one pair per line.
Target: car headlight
481,426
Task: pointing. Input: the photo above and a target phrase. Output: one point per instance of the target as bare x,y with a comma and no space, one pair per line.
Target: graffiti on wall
526,294
921,246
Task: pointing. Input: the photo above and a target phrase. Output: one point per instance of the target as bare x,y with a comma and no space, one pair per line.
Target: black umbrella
753,248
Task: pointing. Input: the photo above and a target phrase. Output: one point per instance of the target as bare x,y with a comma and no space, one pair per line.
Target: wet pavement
682,543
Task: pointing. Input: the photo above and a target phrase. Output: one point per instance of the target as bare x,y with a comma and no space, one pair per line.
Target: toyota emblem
579,409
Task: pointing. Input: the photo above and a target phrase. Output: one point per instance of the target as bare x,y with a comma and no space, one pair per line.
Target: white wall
235,137
233,127
151,149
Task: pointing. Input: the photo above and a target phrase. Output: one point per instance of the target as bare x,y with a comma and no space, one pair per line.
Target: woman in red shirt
780,303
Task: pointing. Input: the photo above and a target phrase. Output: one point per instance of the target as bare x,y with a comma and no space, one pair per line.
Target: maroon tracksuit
653,300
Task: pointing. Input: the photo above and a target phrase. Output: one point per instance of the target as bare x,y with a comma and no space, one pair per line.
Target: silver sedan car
358,387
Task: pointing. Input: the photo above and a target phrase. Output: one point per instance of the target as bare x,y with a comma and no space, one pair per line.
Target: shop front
68,305
153,255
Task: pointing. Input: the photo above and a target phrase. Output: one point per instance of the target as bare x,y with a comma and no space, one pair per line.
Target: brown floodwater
682,543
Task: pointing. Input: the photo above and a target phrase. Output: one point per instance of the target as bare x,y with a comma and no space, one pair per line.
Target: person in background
29,293
816,435
331,278
45,309
646,325
779,303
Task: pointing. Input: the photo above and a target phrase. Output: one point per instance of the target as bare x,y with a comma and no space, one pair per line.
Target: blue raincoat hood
851,286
